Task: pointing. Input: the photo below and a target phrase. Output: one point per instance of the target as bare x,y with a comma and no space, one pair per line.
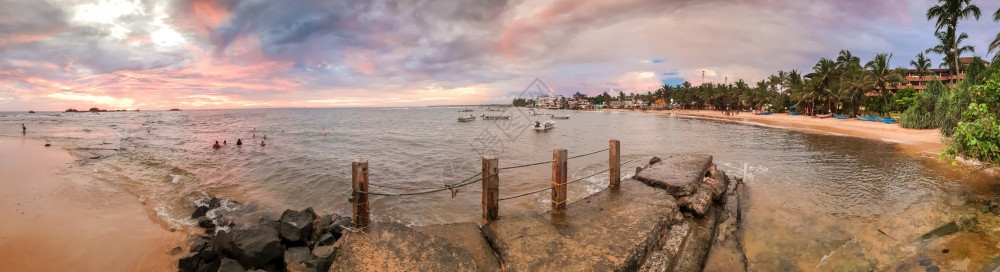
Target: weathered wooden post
559,179
491,189
359,181
615,162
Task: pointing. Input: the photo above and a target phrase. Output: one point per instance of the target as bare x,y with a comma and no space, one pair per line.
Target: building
579,96
919,82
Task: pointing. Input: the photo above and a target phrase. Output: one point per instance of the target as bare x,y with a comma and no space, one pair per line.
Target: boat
496,117
31,111
838,116
888,120
560,117
767,113
874,119
465,110
828,115
543,126
794,113
175,110
532,112
469,118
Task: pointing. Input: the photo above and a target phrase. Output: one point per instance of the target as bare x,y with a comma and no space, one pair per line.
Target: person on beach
24,129
239,142
216,145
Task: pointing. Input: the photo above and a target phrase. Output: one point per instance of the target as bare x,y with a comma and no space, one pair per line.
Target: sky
192,54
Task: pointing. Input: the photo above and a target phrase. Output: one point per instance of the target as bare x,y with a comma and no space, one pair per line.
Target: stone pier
678,214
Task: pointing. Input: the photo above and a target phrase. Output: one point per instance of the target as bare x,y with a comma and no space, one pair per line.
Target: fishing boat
767,113
874,119
31,111
465,110
496,117
838,116
828,115
888,120
794,113
560,117
543,126
469,118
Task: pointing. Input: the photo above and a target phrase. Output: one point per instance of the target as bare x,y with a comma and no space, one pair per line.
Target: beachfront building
919,82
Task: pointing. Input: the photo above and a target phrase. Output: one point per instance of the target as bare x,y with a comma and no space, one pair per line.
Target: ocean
811,195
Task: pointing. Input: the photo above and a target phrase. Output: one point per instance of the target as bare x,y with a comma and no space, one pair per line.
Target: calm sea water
818,202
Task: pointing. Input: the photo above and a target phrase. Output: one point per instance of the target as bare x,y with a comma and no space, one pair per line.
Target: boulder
326,240
212,266
299,259
253,245
679,175
206,223
199,244
324,257
699,202
297,226
199,212
338,226
230,265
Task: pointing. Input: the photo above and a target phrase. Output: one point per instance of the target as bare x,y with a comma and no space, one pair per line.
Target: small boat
532,112
31,111
465,110
767,113
496,117
828,115
838,116
560,117
888,120
794,113
543,126
469,118
874,119
175,110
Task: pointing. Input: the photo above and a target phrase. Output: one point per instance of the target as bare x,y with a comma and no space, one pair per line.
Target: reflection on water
817,202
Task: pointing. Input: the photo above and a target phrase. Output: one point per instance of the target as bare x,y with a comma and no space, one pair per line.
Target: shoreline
55,223
927,142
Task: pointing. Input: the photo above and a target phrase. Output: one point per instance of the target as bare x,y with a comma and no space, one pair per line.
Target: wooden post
491,189
559,179
615,163
359,181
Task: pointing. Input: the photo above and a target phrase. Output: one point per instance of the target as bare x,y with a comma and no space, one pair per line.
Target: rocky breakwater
678,214
298,241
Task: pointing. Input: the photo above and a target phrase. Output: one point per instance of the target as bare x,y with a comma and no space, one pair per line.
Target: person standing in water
216,145
262,143
239,142
24,129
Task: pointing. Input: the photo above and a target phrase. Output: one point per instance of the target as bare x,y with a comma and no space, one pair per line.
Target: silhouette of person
24,129
239,142
262,143
216,145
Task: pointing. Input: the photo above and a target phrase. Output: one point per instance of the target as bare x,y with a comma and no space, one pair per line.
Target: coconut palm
996,41
946,15
951,49
883,76
922,64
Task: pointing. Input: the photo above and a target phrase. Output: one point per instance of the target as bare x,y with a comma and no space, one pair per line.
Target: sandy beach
924,141
53,223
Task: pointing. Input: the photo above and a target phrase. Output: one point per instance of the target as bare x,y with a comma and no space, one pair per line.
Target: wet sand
53,223
924,141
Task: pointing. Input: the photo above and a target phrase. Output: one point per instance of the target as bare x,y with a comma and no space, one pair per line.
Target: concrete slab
612,230
678,174
394,247
469,237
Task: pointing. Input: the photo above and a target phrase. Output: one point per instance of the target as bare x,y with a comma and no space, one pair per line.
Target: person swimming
216,145
239,142
224,142
262,143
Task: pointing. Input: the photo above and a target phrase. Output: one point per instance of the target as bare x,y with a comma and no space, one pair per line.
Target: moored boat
887,120
838,116
828,115
496,117
560,117
543,126
469,118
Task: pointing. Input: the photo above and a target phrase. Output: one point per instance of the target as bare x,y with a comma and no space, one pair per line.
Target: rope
447,187
568,182
550,161
426,188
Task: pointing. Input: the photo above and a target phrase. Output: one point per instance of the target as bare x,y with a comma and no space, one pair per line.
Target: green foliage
903,99
977,136
521,102
921,113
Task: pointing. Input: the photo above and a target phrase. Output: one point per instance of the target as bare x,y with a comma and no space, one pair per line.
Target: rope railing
489,177
550,188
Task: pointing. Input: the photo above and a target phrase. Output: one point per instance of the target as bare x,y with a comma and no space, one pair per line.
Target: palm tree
947,14
951,49
883,76
922,64
996,41
826,73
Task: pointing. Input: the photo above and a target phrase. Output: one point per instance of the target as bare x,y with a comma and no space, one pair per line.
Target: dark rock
253,245
324,257
338,226
326,240
654,160
199,212
299,259
210,266
214,202
189,263
296,226
206,223
175,251
230,265
199,244
679,175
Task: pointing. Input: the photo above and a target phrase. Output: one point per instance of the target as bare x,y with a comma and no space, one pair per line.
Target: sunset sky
236,54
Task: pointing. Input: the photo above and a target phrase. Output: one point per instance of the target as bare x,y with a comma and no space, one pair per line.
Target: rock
299,259
206,223
699,202
296,226
394,247
699,240
199,244
338,226
212,266
199,212
611,230
326,240
324,257
253,245
175,251
727,253
679,175
662,259
189,263
214,203
230,265
319,226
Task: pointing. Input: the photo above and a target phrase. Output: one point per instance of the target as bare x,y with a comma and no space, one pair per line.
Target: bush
977,136
921,111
